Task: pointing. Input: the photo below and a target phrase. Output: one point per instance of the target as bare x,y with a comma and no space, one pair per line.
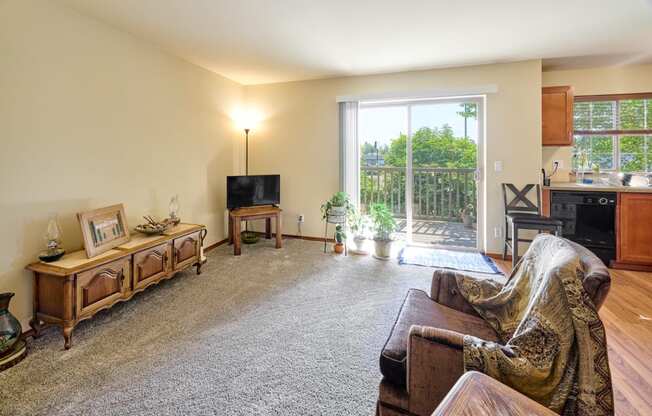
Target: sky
385,123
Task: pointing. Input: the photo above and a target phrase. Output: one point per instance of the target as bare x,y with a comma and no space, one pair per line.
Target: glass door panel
383,143
443,146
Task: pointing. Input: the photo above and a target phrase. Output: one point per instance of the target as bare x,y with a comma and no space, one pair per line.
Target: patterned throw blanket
554,348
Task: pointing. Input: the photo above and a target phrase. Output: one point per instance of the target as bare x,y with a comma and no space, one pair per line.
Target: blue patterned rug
448,259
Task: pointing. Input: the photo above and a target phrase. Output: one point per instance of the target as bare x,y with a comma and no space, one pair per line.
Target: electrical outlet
498,232
301,218
560,164
498,166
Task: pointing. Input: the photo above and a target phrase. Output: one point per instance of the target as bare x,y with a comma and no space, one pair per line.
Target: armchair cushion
419,309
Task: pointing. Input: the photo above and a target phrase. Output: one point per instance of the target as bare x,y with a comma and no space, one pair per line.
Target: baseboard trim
630,266
216,245
300,237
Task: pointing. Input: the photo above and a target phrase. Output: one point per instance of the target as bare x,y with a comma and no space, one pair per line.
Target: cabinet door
557,116
102,286
186,250
150,265
634,235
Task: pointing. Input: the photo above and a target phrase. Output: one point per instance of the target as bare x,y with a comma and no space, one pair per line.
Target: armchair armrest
434,363
444,291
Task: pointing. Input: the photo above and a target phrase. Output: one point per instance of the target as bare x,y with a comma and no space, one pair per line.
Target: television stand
266,212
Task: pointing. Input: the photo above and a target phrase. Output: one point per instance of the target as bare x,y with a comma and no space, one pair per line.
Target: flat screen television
252,190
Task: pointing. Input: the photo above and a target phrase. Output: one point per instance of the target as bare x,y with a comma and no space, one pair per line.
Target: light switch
498,166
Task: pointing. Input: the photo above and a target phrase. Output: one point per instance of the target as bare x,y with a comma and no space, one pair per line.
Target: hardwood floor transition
627,316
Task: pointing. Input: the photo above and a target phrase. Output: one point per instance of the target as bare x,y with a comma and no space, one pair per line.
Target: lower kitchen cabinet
634,227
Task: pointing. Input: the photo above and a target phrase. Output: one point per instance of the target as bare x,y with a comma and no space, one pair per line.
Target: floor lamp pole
247,152
246,165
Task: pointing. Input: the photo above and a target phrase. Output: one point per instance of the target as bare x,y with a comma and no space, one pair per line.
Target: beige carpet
273,332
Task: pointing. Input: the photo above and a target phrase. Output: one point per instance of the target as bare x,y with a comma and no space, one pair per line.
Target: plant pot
382,249
10,329
336,215
467,220
338,248
357,246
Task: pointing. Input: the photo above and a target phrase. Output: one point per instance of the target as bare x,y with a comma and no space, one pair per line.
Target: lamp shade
246,119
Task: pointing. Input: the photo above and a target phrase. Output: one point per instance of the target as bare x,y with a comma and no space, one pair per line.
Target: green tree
469,110
436,147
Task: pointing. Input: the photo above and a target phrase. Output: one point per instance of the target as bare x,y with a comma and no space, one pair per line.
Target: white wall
90,116
298,137
594,81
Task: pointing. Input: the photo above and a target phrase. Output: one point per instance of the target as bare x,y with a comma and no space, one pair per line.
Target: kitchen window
614,132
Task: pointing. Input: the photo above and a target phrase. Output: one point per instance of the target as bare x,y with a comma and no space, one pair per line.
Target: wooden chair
523,214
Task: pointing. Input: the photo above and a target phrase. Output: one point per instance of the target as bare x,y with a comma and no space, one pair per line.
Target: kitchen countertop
572,186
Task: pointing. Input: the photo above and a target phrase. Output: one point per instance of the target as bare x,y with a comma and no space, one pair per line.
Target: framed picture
103,229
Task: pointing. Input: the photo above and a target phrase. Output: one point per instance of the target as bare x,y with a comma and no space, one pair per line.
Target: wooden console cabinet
75,287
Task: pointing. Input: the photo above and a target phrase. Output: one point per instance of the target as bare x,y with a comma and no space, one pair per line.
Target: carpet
272,332
448,259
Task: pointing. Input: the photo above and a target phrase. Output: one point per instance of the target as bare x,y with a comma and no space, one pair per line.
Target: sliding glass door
420,158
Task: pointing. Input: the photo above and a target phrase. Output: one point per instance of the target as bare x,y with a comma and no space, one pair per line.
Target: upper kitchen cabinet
557,116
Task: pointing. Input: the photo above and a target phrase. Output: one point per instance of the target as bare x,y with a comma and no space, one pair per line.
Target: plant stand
330,220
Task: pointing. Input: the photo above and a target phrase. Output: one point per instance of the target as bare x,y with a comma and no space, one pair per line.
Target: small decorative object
53,250
153,227
103,229
340,236
358,224
384,225
466,214
174,208
12,347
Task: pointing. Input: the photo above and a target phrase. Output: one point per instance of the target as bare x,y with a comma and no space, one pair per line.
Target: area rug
448,259
293,331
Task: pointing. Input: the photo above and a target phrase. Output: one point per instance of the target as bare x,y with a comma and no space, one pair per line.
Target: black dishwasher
589,219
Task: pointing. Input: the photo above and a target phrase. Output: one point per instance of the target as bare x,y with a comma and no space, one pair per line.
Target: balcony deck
445,233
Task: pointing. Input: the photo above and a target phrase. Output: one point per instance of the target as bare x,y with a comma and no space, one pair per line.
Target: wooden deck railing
438,193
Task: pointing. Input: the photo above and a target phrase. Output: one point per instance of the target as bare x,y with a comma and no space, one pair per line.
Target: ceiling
263,41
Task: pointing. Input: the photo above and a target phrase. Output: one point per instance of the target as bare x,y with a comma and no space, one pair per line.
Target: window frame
617,134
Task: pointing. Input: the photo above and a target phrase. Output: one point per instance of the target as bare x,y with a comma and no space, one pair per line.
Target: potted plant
358,224
384,225
336,209
340,237
466,215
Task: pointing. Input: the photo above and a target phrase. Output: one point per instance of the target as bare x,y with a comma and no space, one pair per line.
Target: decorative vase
10,329
358,246
174,207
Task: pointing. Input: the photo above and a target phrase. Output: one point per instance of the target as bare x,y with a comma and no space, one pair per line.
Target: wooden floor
627,316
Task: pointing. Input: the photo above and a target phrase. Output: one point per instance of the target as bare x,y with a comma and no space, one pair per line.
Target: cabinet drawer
151,264
186,250
102,286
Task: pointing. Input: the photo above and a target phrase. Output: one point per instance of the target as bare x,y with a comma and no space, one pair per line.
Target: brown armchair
422,358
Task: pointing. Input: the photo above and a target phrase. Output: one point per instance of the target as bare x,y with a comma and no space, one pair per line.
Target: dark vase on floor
10,328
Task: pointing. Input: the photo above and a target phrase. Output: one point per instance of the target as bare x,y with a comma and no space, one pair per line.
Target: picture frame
103,229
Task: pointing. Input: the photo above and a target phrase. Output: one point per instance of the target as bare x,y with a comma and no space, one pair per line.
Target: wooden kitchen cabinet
634,242
557,116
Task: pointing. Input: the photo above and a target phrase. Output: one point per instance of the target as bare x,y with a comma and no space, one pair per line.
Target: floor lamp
248,237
